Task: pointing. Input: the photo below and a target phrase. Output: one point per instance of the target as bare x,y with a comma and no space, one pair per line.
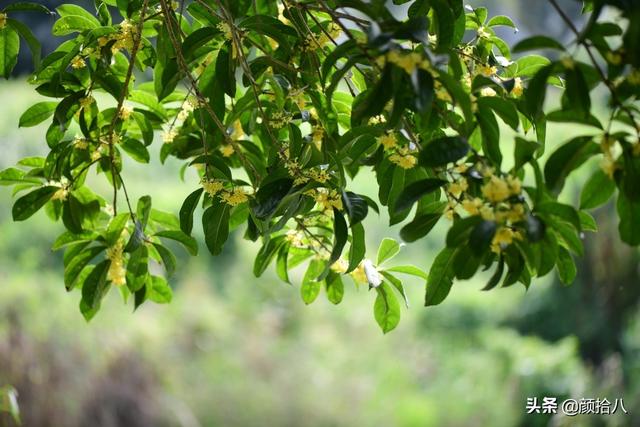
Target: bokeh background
233,350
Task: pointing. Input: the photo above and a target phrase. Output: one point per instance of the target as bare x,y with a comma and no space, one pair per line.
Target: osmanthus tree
278,104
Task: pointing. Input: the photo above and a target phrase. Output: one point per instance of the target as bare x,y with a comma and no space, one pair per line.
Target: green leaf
215,223
495,278
158,290
560,210
335,288
419,227
340,232
597,190
408,269
566,266
388,249
386,309
266,254
566,159
537,43
490,135
501,20
524,152
396,283
187,210
629,227
481,236
187,241
9,47
310,286
358,246
94,289
37,114
34,45
168,258
440,277
415,191
72,24
78,263
29,204
442,151
114,230
24,6
136,150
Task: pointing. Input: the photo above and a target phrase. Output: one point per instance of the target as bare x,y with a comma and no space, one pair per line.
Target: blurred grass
234,350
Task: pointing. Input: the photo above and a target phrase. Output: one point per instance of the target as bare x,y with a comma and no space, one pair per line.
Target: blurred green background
233,350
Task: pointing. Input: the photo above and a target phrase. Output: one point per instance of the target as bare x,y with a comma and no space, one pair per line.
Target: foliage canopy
277,104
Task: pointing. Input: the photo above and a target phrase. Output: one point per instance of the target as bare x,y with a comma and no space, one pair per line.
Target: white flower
373,277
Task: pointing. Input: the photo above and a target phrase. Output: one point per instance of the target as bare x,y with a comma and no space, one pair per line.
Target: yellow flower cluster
87,101
409,62
169,135
486,70
124,38
326,199
3,20
518,89
376,120
317,136
225,29
235,197
125,113
78,63
504,237
80,143
227,150
279,120
117,272
313,42
212,186
295,238
441,92
340,266
611,151
404,158
492,206
388,140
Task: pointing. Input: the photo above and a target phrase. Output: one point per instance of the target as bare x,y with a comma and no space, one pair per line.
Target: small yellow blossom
317,136
117,272
235,197
483,33
568,62
456,188
227,150
279,120
515,185
409,62
169,135
608,166
359,275
321,176
405,161
486,70
87,101
78,63
3,20
517,89
80,143
125,113
340,266
327,200
295,238
487,91
472,206
516,213
61,194
496,190
95,156
212,186
487,213
614,58
388,141
376,120
503,238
